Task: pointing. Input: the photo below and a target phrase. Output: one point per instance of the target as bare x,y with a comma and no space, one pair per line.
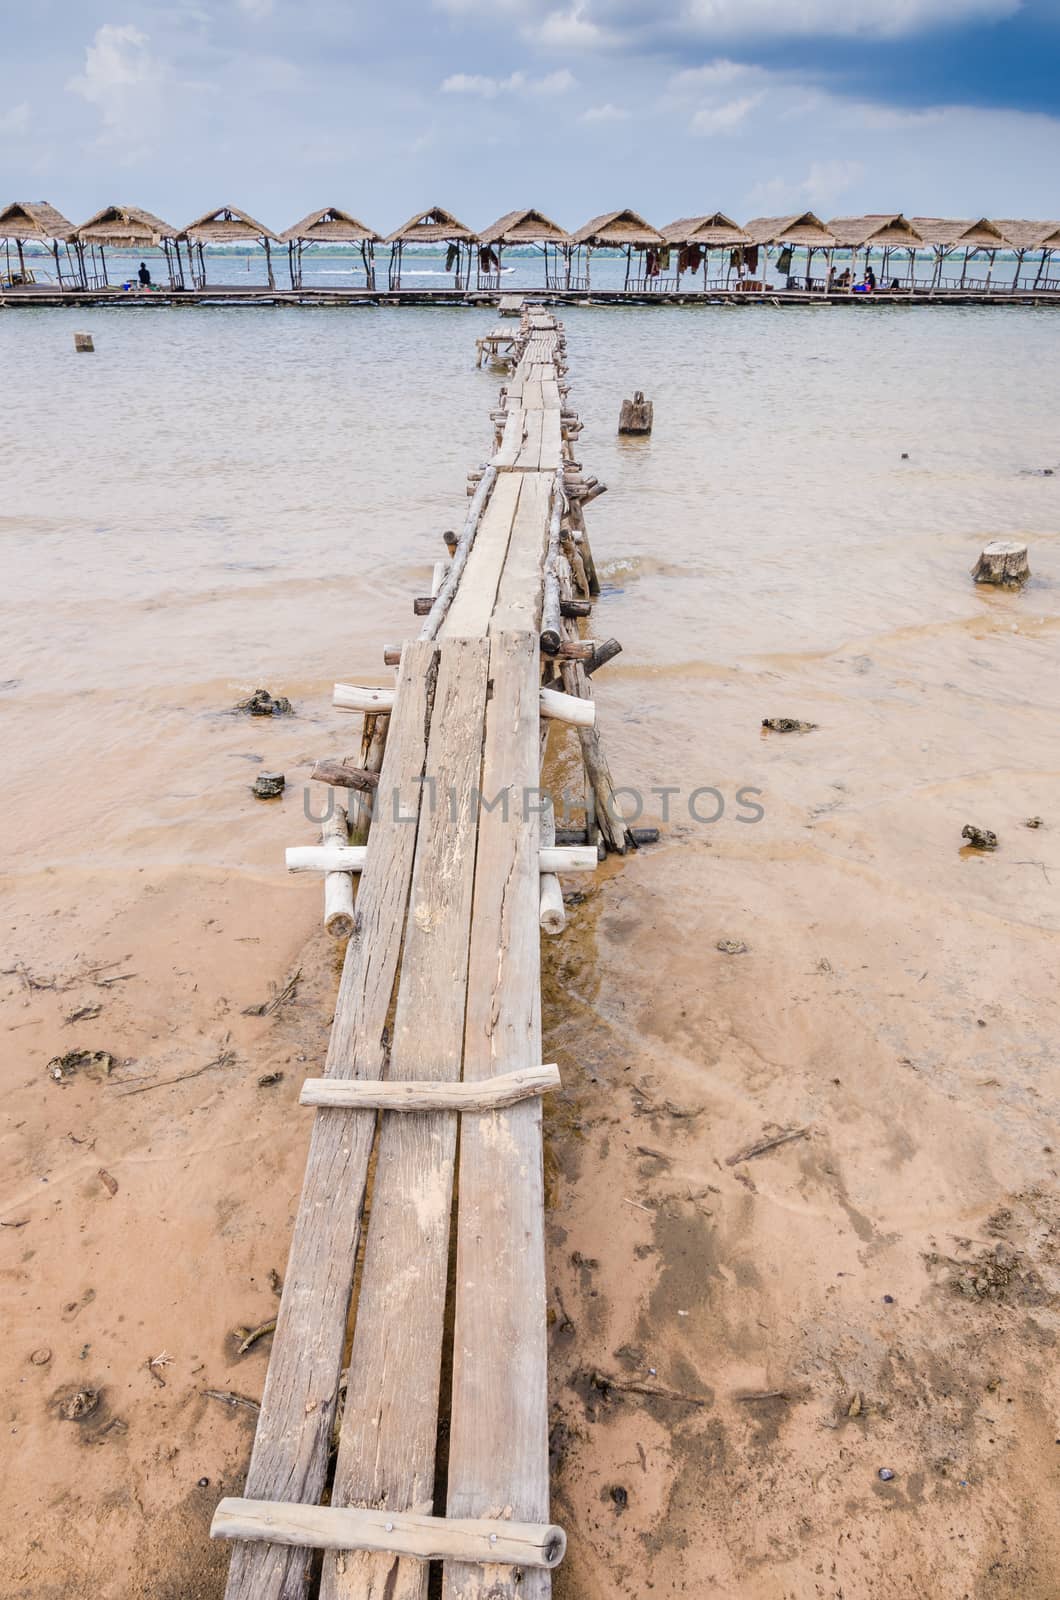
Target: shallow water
226,497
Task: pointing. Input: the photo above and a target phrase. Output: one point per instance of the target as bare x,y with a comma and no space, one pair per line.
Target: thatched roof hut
524,227
227,225
129,228
716,232
330,226
805,229
615,230
1024,235
34,219
883,232
434,226
951,233
125,226
620,230
36,222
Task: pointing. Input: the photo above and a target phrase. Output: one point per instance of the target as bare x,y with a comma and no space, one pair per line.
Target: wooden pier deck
438,1007
258,295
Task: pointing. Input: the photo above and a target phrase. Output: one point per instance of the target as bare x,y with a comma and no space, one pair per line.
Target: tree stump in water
636,415
83,343
1004,562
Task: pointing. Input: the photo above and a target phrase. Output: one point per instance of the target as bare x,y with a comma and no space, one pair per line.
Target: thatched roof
1025,235
618,228
124,225
434,226
875,230
525,227
226,225
333,226
711,233
956,233
34,219
805,229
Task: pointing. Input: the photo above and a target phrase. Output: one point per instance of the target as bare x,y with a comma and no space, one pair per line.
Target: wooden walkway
438,1008
261,296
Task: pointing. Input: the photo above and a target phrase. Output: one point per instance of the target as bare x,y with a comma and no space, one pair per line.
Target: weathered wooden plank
390,1422
498,1455
290,1452
529,457
393,1533
518,603
470,611
512,438
551,441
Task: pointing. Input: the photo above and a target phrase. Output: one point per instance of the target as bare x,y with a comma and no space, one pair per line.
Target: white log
560,707
487,1094
438,577
512,1544
351,858
344,858
338,886
552,913
1004,562
349,697
568,708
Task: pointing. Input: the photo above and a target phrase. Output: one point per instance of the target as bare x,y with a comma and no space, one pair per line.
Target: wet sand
881,1292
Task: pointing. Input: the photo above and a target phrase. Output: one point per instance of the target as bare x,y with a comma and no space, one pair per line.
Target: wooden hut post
964,265
1041,266
268,261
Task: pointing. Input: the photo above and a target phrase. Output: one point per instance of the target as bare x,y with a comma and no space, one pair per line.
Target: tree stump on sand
636,415
1004,562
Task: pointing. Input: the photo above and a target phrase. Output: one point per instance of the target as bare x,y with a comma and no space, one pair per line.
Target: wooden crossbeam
509,1544
351,857
560,707
505,1089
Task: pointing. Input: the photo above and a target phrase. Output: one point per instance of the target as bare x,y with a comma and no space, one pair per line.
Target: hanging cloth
695,258
752,260
784,261
735,258
664,258
452,256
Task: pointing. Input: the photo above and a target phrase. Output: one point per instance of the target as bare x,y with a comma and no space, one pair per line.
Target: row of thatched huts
721,251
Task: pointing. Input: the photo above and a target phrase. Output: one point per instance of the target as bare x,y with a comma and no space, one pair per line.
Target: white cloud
725,118
572,30
256,9
605,113
742,18
15,119
714,75
822,187
477,83
121,79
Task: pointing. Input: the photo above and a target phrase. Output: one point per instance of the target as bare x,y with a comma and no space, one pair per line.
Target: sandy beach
742,1339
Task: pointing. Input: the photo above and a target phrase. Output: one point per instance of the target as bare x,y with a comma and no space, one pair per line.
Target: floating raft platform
251,295
437,1035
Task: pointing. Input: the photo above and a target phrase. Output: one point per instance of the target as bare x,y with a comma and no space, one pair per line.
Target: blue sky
674,107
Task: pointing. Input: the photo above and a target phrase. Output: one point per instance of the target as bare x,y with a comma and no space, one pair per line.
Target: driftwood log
518,1544
488,1094
1003,562
637,415
338,886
